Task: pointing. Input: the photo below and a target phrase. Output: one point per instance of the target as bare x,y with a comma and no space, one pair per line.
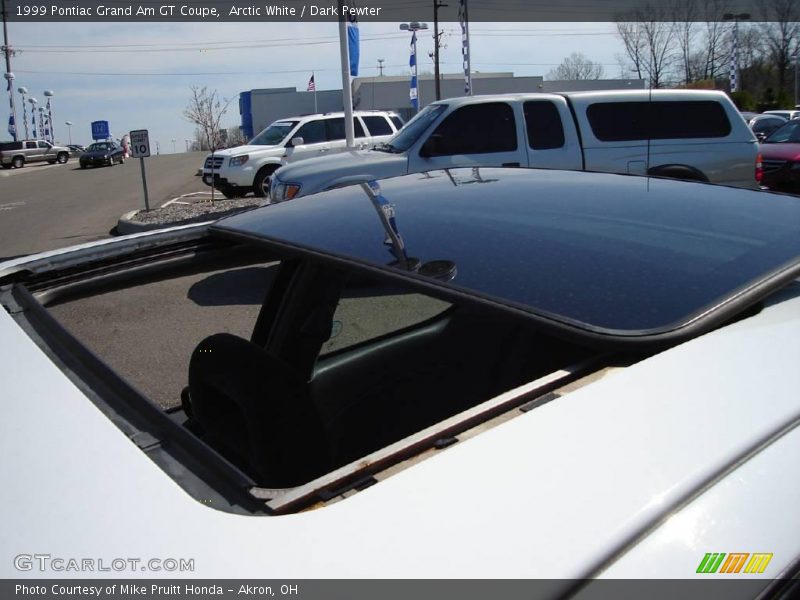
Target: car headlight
237,161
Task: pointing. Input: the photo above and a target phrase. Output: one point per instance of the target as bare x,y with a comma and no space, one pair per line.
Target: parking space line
177,199
11,205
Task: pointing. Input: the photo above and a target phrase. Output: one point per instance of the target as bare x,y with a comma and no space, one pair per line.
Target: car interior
293,367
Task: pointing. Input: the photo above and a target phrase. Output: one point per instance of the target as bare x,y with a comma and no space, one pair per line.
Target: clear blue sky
138,75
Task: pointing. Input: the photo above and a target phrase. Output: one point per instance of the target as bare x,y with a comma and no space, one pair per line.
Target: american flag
312,87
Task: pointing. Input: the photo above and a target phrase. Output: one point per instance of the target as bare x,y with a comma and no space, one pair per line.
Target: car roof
330,115
600,95
613,255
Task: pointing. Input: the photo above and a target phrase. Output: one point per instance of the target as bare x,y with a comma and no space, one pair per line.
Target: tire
83,166
262,180
62,158
18,162
51,162
229,193
6,166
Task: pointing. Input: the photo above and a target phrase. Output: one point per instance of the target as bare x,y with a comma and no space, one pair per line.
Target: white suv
236,171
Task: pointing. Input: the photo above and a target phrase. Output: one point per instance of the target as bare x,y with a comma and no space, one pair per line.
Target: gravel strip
196,212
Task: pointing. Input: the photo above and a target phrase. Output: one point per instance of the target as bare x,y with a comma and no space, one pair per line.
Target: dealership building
259,108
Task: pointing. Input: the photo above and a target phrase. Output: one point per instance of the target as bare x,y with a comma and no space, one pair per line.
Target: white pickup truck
685,134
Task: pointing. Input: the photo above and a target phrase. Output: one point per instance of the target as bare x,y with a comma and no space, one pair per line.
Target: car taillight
759,169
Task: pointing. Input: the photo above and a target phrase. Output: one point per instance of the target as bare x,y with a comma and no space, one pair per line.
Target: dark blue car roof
615,254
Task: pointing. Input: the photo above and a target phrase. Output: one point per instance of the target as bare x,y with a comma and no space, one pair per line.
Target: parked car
461,374
18,154
785,113
780,158
238,171
684,134
76,150
102,154
763,125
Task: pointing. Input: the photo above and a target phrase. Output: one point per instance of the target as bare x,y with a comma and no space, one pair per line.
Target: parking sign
140,143
100,130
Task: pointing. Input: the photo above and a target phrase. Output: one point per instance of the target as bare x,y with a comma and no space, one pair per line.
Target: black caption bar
376,10
617,589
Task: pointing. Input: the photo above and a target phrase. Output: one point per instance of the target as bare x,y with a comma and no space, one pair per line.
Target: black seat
257,411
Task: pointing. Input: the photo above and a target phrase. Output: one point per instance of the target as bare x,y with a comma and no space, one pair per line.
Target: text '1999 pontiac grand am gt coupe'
464,373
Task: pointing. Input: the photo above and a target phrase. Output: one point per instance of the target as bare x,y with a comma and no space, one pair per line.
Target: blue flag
12,128
412,62
353,44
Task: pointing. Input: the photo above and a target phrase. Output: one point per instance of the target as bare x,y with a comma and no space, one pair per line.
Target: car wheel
51,162
18,162
7,166
261,182
62,158
229,193
83,166
111,162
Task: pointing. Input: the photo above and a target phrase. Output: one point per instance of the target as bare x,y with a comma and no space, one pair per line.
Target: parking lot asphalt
43,207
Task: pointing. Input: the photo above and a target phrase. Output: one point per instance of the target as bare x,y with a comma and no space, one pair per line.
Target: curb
126,224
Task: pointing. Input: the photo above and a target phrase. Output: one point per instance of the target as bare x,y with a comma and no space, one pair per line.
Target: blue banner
353,45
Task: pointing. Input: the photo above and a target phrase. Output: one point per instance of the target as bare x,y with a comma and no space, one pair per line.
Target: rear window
628,121
378,126
6,146
336,131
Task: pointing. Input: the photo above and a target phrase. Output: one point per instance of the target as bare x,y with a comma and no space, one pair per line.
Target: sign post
140,148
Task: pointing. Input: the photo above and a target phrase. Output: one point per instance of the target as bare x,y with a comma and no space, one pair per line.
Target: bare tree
685,14
205,110
649,38
780,35
576,66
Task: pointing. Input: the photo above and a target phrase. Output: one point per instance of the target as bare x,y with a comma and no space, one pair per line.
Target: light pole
380,66
41,123
33,102
12,121
49,94
173,140
414,27
436,6
735,17
22,91
187,140
69,128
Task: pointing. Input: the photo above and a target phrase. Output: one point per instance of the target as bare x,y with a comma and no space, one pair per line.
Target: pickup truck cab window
44,145
543,125
477,129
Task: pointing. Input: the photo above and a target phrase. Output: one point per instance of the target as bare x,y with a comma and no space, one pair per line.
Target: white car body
241,177
636,471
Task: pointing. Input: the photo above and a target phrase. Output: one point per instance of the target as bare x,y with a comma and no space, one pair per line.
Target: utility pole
380,66
436,6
